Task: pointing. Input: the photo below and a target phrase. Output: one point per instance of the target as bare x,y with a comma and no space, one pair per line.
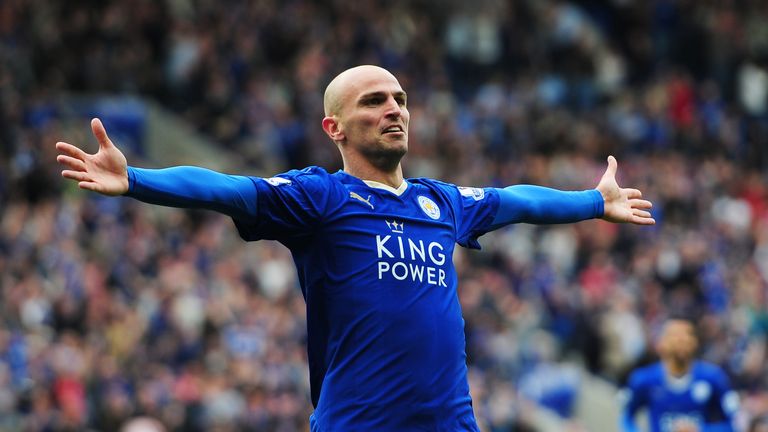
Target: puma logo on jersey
357,196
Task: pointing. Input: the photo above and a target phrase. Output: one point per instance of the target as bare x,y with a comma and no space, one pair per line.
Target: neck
364,170
677,368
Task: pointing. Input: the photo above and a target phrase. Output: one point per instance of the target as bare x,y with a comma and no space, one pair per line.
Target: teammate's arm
628,423
631,399
108,173
541,205
726,405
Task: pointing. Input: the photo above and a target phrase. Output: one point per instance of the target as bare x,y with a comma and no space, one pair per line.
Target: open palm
104,172
623,205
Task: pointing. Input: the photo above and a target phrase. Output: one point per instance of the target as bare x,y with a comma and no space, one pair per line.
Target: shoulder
310,173
710,371
476,193
430,183
707,368
637,389
646,375
433,187
311,178
714,377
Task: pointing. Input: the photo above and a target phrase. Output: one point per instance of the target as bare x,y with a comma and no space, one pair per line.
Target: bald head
344,85
367,118
143,424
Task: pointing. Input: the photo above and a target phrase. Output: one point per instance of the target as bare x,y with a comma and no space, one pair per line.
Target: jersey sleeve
474,210
632,398
542,205
194,187
291,205
726,399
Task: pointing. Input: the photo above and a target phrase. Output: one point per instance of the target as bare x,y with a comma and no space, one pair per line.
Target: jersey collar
397,191
677,384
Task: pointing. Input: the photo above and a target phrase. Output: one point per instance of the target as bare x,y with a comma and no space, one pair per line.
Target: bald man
680,393
373,252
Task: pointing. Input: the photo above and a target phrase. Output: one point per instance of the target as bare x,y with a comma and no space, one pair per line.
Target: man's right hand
105,172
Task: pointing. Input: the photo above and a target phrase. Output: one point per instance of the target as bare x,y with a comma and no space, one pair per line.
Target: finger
632,193
641,213
90,186
640,204
71,150
100,133
95,187
612,167
76,175
71,163
643,220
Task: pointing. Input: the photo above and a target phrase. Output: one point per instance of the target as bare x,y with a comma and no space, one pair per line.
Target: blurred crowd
111,309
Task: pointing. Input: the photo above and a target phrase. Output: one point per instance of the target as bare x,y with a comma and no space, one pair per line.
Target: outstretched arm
542,205
107,172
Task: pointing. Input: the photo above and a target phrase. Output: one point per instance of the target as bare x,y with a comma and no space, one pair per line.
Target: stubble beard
383,157
681,361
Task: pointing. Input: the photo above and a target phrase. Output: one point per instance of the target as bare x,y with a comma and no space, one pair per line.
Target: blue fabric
385,331
386,335
386,341
194,187
542,205
706,400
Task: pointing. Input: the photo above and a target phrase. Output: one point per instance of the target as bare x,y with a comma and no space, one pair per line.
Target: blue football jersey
386,335
702,399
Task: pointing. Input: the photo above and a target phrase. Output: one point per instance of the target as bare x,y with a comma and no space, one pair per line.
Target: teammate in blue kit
373,252
680,393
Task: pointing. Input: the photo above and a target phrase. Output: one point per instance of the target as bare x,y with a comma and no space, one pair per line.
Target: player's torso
392,242
675,405
394,326
389,273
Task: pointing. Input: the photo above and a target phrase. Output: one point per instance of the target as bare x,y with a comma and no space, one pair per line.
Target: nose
394,110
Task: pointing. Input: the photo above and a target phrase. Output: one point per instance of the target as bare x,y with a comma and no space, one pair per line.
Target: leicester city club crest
430,208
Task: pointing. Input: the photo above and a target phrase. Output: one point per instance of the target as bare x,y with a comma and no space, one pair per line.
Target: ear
333,129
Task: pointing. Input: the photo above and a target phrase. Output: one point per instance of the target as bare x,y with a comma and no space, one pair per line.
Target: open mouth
393,130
